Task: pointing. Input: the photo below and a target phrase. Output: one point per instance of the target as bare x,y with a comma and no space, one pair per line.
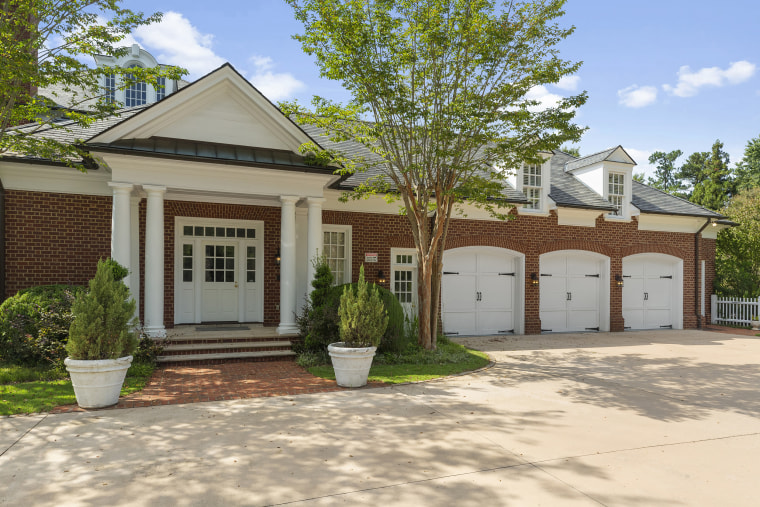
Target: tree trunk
424,278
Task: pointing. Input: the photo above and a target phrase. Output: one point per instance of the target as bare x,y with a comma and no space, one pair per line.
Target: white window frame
543,189
622,211
530,191
411,306
348,260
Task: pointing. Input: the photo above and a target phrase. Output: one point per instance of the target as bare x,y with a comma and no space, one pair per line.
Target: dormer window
137,93
110,88
161,89
616,191
532,185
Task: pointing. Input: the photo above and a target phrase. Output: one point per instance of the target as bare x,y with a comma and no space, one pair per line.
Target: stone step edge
227,355
224,345
247,333
224,339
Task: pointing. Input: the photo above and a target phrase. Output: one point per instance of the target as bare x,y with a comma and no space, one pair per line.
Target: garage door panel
461,262
633,294
553,293
659,293
654,319
495,263
461,323
496,293
649,296
460,293
633,267
570,298
579,266
583,320
495,322
555,321
584,294
634,318
553,264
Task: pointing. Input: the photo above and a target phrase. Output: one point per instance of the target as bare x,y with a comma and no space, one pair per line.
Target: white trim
577,217
179,223
54,179
670,223
410,309
702,284
348,272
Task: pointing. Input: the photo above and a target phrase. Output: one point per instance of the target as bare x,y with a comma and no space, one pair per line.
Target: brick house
205,197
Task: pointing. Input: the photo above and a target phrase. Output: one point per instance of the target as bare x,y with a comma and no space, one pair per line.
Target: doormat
222,328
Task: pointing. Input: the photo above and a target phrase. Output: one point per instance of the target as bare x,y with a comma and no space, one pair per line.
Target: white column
288,265
121,225
313,237
154,262
134,270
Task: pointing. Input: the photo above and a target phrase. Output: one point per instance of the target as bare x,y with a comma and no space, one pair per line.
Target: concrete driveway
666,418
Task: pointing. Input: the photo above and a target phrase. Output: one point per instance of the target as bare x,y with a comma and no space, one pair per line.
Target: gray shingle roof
651,200
568,191
594,158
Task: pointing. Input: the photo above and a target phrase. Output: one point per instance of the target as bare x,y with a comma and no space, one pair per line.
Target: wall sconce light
277,258
381,277
534,278
619,280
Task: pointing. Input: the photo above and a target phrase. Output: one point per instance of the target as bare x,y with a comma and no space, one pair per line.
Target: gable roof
601,156
567,191
652,200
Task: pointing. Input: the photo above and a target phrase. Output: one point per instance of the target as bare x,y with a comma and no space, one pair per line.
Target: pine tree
363,318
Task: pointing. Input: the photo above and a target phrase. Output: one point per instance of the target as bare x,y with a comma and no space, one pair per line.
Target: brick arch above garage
653,248
499,241
576,244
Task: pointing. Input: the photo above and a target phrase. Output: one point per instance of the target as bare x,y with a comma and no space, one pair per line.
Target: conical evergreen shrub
362,314
104,323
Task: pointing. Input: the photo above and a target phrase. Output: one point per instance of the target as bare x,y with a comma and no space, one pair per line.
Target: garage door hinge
668,276
626,276
546,330
451,272
506,274
593,276
507,331
592,329
669,326
546,274
451,332
627,327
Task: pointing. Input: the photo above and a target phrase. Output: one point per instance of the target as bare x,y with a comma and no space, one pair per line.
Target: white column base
155,331
287,329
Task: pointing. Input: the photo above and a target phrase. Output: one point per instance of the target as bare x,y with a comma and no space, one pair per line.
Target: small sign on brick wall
370,257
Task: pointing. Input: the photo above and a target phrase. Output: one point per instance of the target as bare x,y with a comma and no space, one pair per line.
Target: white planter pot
351,365
755,325
97,383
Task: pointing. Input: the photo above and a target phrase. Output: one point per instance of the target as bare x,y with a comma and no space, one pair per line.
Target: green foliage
737,259
119,271
667,177
439,100
42,43
34,324
148,350
103,326
715,186
571,150
362,315
748,169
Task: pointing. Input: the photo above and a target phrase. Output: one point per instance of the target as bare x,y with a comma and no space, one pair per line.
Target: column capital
289,199
154,189
121,186
315,201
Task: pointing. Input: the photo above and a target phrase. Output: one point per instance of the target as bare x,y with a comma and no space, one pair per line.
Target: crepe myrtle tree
44,43
440,99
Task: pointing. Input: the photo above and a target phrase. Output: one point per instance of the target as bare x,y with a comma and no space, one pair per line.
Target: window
137,93
336,251
160,88
187,263
616,191
532,185
109,90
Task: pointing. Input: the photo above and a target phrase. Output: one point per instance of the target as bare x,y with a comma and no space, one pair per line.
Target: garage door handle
668,276
478,296
646,296
569,296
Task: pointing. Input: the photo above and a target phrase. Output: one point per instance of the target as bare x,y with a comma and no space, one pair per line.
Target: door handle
236,284
478,296
569,296
646,296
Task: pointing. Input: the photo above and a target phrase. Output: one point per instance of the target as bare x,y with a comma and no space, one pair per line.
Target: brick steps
216,347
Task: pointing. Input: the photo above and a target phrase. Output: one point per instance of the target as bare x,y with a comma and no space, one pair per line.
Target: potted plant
362,322
755,322
102,338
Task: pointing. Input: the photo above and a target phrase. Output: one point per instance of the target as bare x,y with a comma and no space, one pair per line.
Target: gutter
696,274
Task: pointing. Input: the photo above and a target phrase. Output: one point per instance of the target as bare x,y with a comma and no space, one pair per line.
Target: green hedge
34,324
319,327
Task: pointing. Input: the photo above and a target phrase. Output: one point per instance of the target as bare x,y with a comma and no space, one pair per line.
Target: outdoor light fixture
534,278
277,259
381,277
619,280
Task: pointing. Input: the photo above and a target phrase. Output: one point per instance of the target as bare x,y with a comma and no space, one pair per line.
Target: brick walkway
730,330
170,385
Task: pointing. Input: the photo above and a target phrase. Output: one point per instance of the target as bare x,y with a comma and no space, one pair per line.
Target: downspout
696,273
2,242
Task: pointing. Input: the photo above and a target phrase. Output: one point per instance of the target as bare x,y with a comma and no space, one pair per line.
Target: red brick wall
54,238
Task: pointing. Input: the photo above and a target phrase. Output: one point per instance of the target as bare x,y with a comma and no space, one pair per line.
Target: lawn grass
21,396
415,365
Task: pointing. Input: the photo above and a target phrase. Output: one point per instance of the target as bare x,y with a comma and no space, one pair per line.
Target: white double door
650,289
478,291
570,290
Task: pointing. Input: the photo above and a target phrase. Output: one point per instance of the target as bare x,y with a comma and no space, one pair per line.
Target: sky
660,75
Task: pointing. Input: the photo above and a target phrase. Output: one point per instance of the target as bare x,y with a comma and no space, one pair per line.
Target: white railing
734,310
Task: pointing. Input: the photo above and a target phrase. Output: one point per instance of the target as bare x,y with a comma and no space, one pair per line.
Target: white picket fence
734,310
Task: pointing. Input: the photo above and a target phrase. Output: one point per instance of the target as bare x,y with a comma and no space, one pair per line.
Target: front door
220,282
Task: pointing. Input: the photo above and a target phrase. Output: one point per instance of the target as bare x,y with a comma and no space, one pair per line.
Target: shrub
103,326
362,314
148,350
34,324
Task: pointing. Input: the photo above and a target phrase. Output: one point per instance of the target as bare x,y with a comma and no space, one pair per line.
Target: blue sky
661,75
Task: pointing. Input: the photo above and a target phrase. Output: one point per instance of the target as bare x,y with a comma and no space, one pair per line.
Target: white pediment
221,107
621,156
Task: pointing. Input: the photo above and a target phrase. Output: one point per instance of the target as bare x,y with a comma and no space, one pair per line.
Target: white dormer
610,174
139,93
534,181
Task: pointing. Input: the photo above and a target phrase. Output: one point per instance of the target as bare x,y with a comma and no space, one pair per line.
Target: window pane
229,264
209,263
251,252
210,231
199,231
187,230
219,251
230,232
251,277
220,232
241,233
220,263
219,276
230,251
209,250
187,249
229,276
250,233
209,276
187,276
251,264
187,263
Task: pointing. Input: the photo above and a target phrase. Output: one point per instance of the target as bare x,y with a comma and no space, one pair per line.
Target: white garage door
478,290
570,288
651,286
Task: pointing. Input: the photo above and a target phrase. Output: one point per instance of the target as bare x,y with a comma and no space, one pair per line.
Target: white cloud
545,98
274,85
637,96
569,83
690,82
180,43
